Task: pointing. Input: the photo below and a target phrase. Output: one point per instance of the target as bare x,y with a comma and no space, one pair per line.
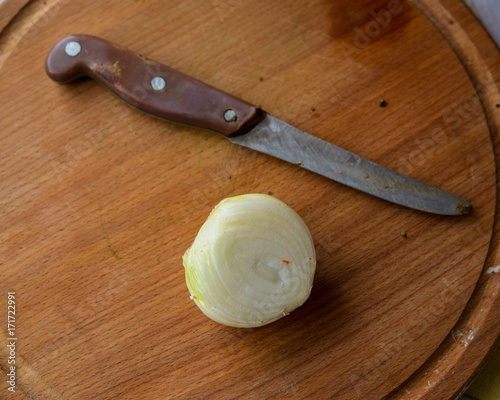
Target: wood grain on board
8,9
100,201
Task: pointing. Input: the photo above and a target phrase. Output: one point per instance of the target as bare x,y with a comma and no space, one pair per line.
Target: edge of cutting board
8,9
460,357
449,371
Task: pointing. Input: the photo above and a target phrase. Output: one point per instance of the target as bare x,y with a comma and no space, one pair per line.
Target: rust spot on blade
464,208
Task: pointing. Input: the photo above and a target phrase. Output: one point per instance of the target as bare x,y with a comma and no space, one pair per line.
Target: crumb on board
493,270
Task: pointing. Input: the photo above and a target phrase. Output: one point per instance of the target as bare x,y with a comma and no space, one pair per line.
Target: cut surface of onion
252,262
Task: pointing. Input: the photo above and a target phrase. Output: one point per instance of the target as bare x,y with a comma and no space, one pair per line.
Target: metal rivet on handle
230,115
72,49
158,83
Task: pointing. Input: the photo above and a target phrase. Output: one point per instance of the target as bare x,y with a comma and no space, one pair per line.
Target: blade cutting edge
277,138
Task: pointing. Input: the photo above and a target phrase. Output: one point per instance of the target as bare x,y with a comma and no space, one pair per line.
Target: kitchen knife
166,93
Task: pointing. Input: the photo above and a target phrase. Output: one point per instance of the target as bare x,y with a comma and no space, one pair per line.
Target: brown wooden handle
149,86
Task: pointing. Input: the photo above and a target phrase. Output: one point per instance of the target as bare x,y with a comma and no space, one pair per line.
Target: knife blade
169,94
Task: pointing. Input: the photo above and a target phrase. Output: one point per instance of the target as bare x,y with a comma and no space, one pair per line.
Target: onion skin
252,262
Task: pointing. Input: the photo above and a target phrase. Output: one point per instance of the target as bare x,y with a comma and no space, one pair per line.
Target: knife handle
149,86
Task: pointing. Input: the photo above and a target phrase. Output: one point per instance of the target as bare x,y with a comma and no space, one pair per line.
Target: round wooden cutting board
99,202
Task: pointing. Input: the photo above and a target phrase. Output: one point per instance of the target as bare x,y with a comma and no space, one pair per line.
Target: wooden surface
8,9
99,202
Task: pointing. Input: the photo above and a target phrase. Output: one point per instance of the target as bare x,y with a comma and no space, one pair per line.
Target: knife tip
464,208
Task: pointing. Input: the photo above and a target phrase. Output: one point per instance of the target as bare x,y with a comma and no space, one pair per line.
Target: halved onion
252,262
